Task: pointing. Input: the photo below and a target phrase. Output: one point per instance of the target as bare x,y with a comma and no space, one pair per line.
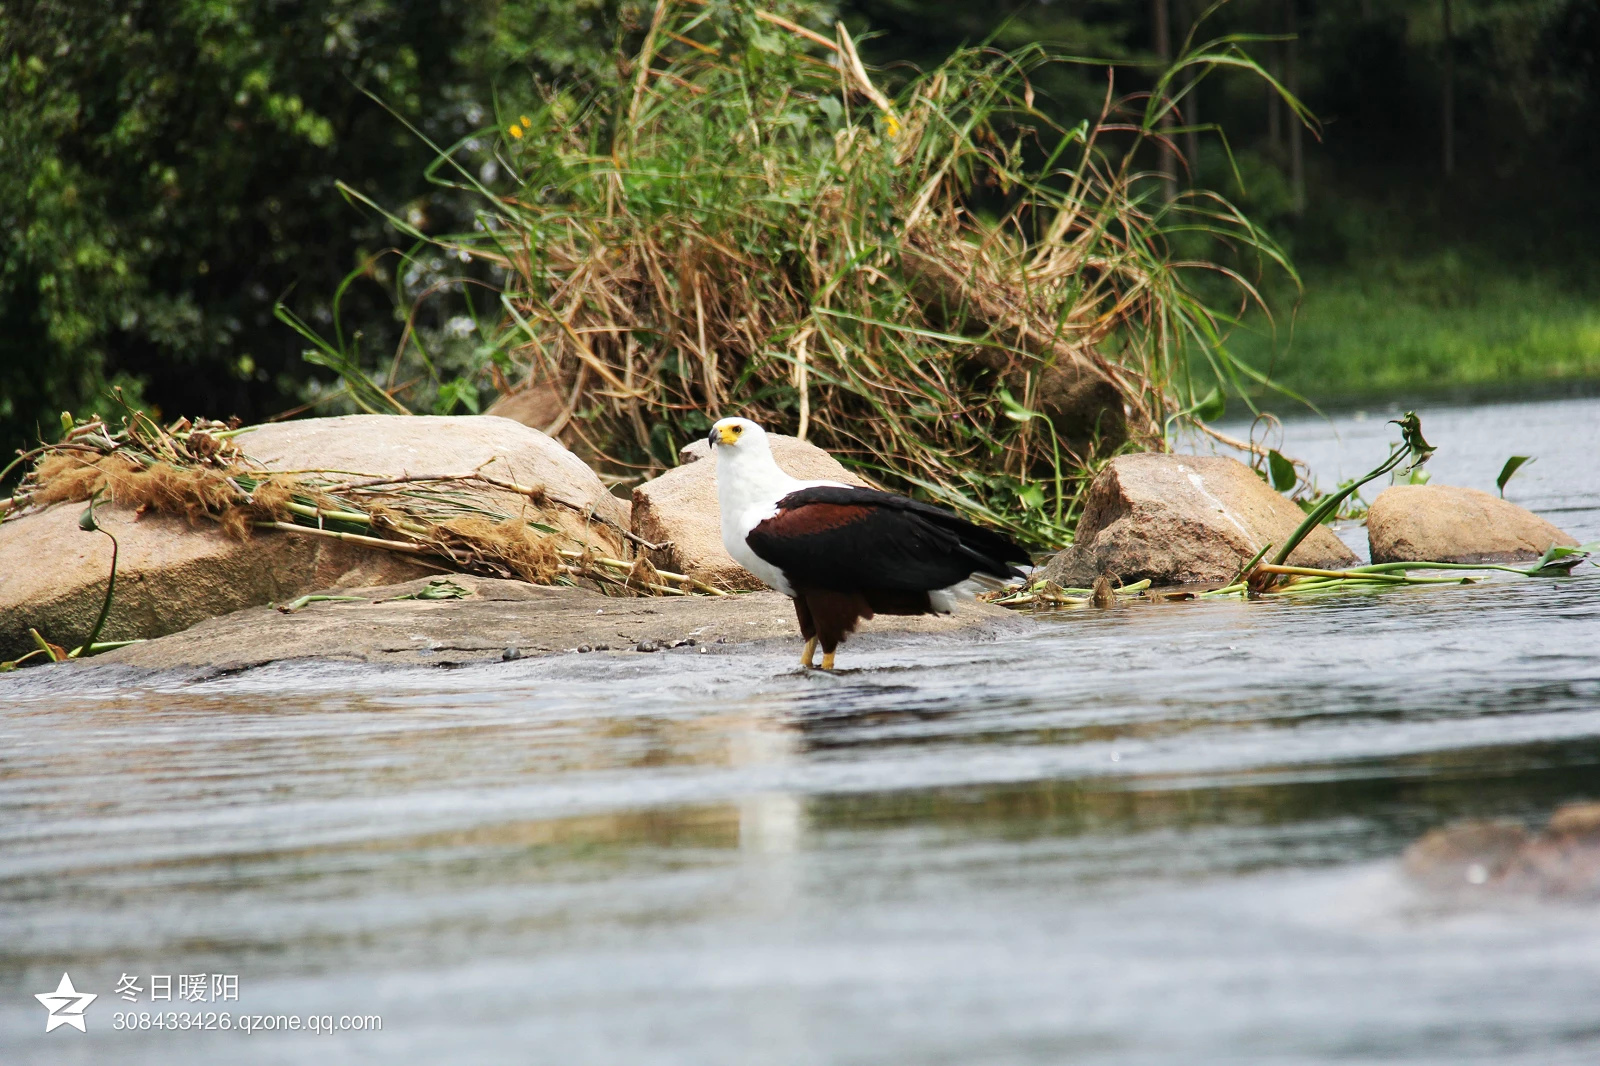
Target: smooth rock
433,445
171,575
1449,524
496,615
540,404
1183,519
680,507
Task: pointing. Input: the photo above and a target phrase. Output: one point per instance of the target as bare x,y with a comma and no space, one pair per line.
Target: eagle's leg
835,615
808,629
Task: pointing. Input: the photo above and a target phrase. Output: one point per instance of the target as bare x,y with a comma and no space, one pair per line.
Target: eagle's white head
738,434
745,466
749,485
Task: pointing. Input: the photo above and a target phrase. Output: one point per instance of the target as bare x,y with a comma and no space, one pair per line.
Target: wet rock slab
501,620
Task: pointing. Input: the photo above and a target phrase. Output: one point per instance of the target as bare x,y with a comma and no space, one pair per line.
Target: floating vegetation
437,588
1047,595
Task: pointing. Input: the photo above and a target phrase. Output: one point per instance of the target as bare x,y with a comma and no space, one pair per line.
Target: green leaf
1411,432
454,393
1032,496
1507,472
1419,476
1014,410
1212,406
1283,475
1560,559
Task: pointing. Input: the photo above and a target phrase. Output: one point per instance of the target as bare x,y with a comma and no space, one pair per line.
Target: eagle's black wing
846,539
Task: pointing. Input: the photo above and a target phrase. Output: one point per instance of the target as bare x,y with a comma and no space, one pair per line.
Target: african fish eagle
843,553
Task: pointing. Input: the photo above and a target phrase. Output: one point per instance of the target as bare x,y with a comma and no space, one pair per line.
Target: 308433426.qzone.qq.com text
245,1023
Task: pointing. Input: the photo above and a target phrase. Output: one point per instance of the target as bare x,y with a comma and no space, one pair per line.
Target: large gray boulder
171,575
435,445
1183,519
1449,524
679,509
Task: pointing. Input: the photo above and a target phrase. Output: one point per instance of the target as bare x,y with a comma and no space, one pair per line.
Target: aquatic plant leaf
1507,472
1411,433
1283,475
438,588
1560,559
1212,406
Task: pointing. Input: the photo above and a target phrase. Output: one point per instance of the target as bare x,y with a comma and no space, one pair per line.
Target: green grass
1428,324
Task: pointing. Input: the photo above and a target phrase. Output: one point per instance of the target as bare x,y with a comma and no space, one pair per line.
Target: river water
1160,834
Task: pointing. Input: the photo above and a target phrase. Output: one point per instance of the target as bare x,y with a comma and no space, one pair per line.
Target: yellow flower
515,131
527,122
892,125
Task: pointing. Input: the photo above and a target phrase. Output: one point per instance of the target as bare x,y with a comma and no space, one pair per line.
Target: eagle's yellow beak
724,434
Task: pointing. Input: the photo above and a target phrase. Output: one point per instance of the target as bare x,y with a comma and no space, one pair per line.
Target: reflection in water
1162,834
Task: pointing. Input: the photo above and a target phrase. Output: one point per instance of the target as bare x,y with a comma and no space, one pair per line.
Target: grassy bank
1408,327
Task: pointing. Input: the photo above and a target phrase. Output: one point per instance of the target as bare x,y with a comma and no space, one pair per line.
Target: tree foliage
171,170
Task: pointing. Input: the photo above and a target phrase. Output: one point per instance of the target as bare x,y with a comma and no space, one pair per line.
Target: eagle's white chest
736,528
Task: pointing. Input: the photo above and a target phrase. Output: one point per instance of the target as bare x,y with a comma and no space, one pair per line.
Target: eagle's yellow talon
827,660
807,652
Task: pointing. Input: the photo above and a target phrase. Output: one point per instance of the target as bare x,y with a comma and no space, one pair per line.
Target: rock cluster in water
171,575
1174,519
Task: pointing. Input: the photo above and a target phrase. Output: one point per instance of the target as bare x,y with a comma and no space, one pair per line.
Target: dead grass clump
70,476
198,494
510,544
